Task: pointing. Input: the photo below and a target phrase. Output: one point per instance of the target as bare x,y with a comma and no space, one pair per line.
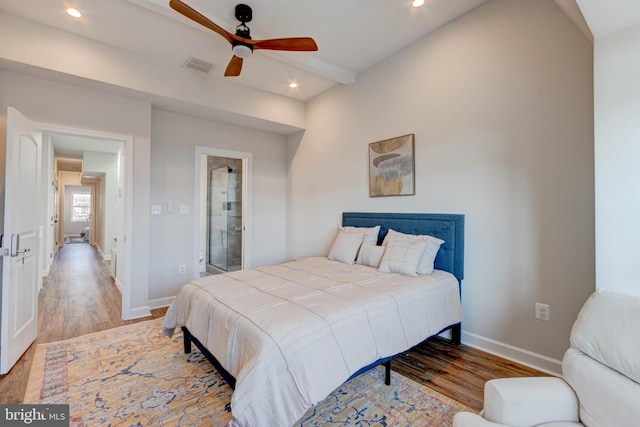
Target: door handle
15,243
15,246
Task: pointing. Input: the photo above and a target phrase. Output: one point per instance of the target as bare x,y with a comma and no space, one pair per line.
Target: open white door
19,321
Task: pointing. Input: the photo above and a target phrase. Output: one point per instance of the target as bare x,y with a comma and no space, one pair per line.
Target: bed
285,336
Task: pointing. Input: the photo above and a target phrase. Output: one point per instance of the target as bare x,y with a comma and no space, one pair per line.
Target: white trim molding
161,302
118,284
138,312
509,352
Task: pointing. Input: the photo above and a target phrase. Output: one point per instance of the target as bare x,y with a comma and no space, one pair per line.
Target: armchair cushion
607,398
526,402
607,329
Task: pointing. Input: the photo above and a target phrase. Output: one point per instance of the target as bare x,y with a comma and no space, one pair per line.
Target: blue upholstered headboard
448,227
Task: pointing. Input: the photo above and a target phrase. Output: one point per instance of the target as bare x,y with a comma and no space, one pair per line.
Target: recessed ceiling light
417,3
74,12
293,85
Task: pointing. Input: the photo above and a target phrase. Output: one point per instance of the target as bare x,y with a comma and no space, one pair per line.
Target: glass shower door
218,221
224,225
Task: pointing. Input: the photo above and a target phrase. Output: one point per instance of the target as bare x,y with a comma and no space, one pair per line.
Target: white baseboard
102,254
133,313
118,285
136,313
519,355
161,302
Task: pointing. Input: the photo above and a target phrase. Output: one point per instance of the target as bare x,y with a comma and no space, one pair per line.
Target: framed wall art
392,167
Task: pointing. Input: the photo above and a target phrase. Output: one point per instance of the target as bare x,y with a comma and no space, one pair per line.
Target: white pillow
345,247
402,257
370,255
431,250
370,233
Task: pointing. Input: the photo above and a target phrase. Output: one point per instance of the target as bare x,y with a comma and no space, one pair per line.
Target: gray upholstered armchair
601,376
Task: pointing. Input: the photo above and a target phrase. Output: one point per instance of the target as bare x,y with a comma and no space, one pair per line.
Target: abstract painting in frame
392,167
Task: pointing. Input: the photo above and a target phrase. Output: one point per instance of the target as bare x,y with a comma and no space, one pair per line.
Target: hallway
78,297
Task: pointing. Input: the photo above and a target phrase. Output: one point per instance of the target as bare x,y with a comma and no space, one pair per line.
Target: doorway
222,202
224,215
83,159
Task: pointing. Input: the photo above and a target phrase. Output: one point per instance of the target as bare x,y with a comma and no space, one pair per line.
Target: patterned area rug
135,376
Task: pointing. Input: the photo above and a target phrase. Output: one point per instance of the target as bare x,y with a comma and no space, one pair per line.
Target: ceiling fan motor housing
243,13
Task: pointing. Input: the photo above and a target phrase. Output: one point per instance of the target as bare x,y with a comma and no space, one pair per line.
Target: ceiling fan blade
234,67
306,44
196,16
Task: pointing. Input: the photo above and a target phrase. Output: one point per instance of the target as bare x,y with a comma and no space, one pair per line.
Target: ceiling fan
241,43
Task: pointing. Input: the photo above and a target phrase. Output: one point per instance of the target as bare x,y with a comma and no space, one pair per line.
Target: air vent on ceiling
199,65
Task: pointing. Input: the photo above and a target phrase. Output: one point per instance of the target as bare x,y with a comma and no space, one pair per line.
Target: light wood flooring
80,297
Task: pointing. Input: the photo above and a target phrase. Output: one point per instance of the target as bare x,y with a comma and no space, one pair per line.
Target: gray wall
175,137
501,105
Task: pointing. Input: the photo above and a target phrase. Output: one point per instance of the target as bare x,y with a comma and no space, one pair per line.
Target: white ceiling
75,145
69,149
352,35
610,16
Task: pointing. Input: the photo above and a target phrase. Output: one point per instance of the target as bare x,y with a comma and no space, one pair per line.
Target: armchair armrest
523,402
468,419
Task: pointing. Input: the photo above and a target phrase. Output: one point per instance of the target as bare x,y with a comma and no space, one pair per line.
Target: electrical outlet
182,269
543,312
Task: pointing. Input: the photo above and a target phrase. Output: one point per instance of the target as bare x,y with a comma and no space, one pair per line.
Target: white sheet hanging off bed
292,333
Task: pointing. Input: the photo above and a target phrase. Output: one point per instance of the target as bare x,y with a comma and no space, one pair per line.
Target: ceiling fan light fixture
242,50
417,3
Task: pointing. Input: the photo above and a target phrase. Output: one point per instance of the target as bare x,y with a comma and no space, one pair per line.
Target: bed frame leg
456,333
186,339
387,372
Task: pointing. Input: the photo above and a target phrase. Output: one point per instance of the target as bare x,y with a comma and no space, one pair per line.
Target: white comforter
292,333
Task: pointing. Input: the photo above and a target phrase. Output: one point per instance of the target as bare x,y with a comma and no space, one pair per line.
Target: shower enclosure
224,214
